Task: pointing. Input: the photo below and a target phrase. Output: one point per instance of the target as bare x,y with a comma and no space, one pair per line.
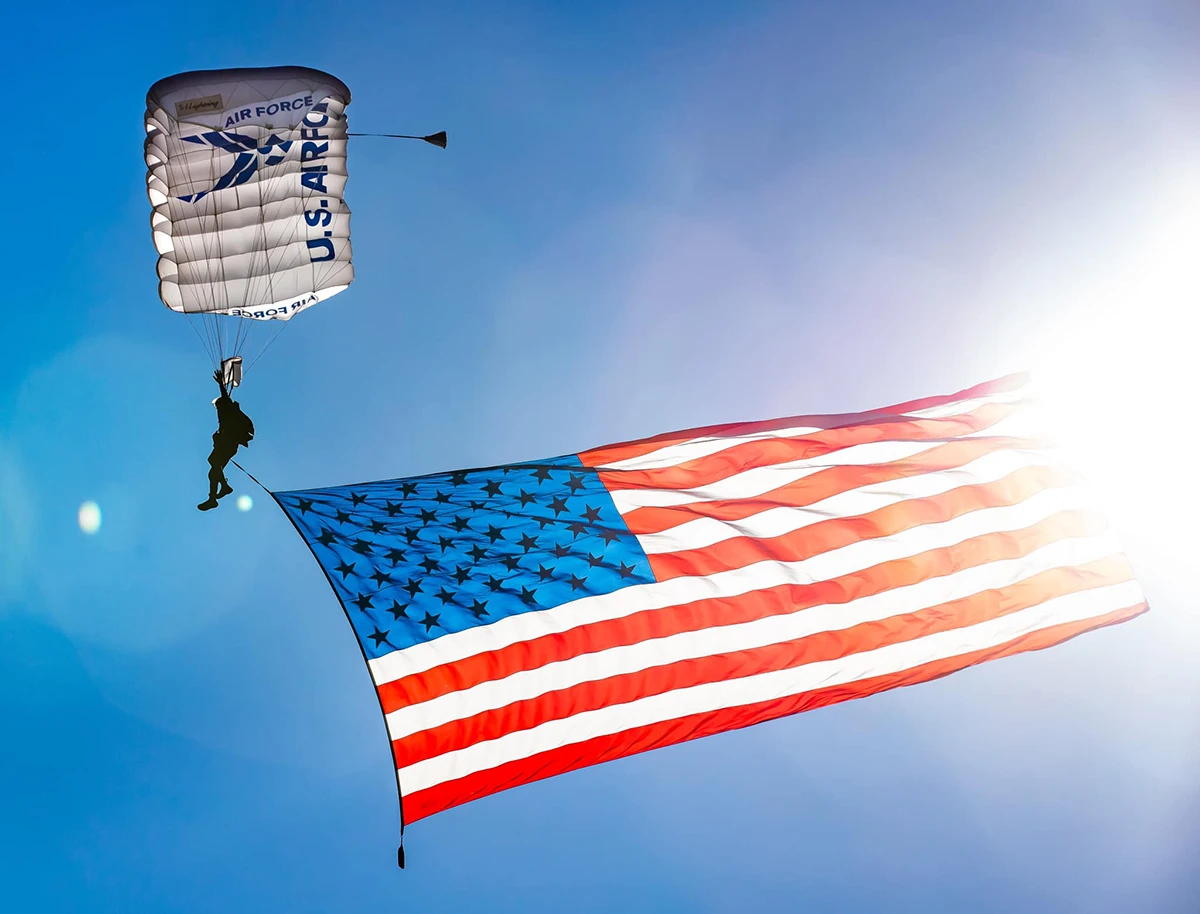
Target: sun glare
89,517
1117,386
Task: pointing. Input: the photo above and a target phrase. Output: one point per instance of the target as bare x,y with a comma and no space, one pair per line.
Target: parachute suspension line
213,342
218,243
205,341
214,333
240,333
269,272
211,331
183,243
243,327
212,345
292,237
270,342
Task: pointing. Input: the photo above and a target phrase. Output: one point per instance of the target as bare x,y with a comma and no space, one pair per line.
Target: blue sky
650,216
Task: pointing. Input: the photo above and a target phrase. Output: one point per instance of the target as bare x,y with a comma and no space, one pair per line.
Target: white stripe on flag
781,519
725,639
694,448
677,591
760,480
714,696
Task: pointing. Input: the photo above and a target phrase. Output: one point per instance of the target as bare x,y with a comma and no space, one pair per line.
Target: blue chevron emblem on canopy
249,155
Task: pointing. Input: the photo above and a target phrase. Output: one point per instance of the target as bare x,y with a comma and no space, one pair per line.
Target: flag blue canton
414,559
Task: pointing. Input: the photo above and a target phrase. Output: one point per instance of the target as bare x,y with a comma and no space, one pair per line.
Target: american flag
526,620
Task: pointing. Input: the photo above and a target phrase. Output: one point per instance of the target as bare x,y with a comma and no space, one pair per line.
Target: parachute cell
246,172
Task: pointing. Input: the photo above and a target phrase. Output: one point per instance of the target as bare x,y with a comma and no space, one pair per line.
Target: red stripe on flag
763,452
827,535
420,804
821,646
694,616
824,484
627,449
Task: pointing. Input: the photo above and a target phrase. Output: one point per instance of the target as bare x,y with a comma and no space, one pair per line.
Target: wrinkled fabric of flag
525,620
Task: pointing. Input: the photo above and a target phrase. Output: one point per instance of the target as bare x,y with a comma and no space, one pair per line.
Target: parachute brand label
209,104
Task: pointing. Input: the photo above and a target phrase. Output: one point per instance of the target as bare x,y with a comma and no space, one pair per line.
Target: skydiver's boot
226,488
213,478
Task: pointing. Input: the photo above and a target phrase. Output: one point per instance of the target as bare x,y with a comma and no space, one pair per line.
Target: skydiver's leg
224,459
214,478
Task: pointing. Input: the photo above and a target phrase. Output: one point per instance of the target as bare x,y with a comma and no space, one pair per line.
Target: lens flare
1119,375
245,503
89,517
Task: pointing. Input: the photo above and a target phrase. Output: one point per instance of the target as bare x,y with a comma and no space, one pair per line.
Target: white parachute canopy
246,171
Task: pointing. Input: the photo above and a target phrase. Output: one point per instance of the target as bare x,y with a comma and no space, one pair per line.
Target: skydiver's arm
220,379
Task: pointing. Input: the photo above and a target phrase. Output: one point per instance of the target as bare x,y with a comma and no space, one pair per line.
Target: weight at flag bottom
526,620
246,175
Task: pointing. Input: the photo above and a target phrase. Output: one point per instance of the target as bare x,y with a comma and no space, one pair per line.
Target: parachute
246,172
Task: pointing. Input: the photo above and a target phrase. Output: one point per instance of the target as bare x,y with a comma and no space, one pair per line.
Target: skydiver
234,429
